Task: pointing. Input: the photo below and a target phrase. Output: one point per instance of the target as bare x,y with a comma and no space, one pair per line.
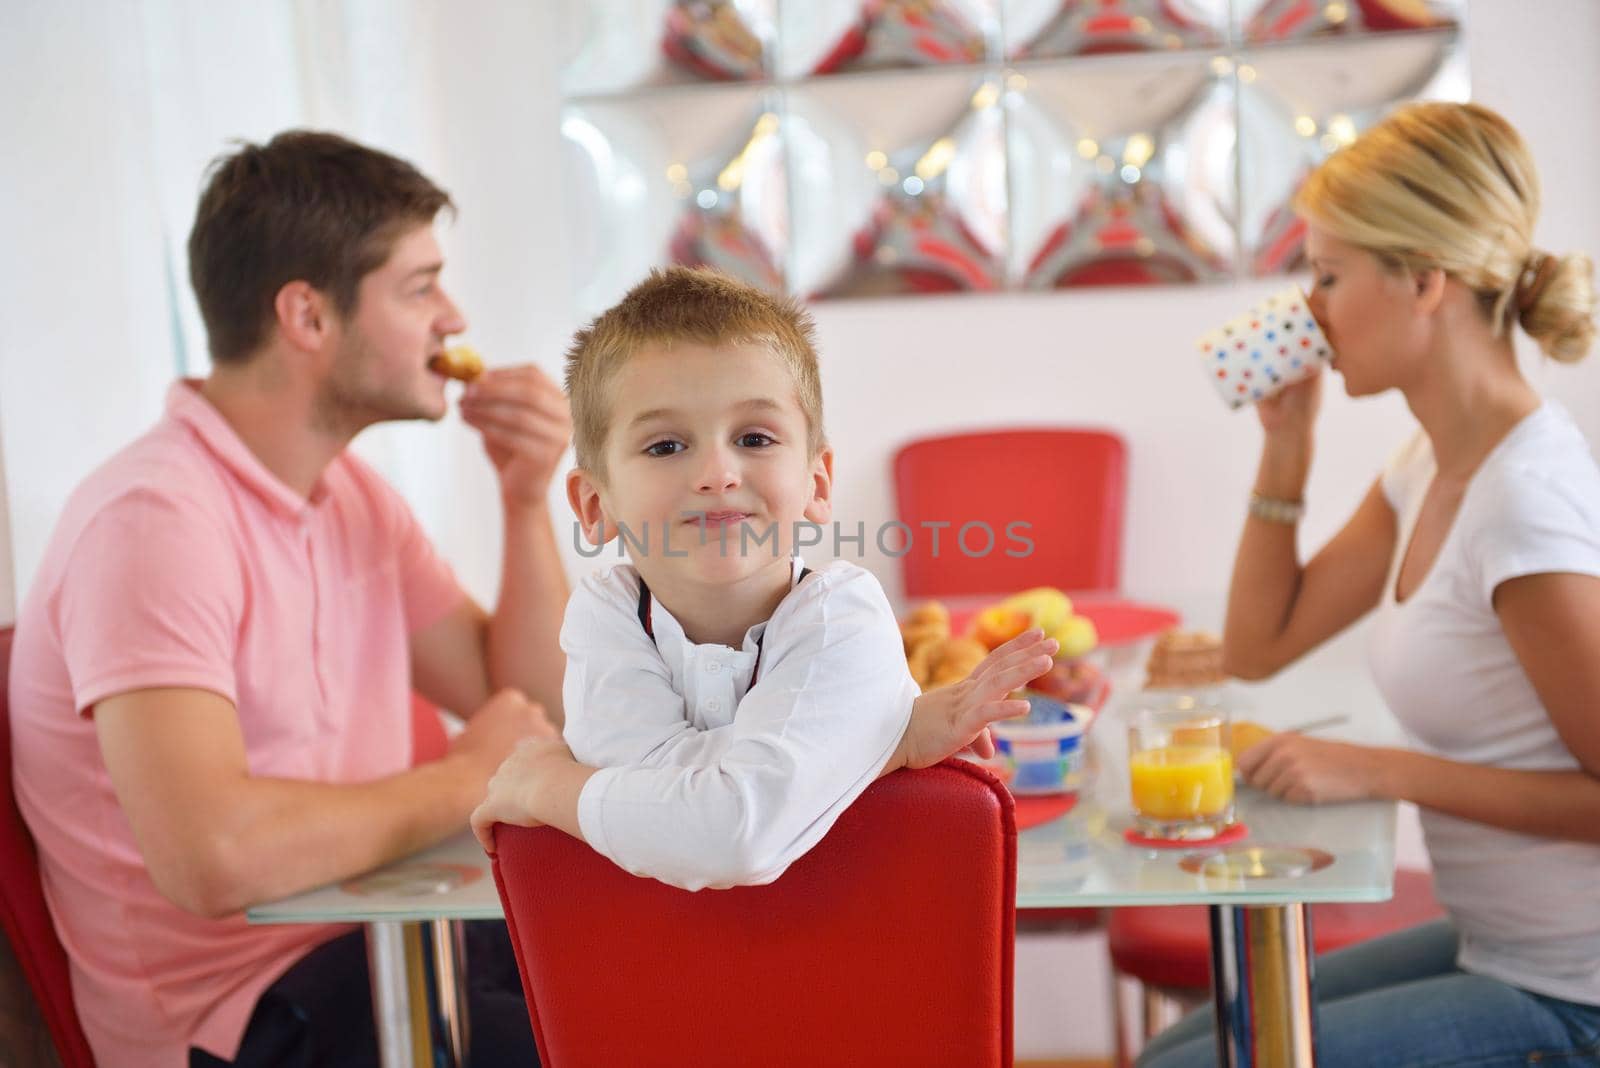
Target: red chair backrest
23,912
428,738
1068,484
889,943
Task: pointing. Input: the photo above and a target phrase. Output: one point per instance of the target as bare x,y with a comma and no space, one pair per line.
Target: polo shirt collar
187,406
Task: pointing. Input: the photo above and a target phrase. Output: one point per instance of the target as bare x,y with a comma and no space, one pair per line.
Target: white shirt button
714,667
713,705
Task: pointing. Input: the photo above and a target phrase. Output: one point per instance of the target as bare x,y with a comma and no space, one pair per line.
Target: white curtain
115,112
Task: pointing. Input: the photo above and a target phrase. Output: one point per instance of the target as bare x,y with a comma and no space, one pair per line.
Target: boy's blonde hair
1453,186
692,304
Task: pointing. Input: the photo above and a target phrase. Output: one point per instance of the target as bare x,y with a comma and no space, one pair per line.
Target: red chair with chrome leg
889,943
1167,950
23,911
1068,484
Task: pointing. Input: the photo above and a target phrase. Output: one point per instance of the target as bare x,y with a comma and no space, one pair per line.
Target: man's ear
1430,289
583,493
820,508
305,317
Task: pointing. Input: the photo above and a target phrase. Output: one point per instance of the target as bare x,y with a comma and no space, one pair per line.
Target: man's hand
514,792
952,718
526,427
495,729
1311,771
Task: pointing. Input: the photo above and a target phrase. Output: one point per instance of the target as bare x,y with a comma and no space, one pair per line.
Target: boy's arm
542,783
825,718
621,705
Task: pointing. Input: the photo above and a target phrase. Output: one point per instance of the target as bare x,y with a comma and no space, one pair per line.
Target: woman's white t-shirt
1528,908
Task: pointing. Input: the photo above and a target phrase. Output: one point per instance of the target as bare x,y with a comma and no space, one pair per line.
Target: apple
1077,636
997,625
1048,608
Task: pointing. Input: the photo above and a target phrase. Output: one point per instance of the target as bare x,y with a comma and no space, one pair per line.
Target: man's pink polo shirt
184,562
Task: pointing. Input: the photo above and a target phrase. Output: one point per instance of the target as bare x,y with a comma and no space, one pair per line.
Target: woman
1479,546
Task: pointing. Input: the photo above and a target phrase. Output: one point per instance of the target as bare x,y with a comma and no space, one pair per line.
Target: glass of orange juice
1180,770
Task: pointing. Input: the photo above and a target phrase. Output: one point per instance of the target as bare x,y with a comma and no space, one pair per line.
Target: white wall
8,599
466,90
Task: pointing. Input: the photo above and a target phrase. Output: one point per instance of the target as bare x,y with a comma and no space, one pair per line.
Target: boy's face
401,318
707,445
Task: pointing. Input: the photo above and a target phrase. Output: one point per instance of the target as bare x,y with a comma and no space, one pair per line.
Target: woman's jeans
1401,1002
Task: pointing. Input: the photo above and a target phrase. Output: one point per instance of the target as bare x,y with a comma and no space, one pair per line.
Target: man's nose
451,320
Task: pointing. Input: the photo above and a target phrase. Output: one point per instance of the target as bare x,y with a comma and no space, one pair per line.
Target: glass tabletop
1291,853
1326,853
451,881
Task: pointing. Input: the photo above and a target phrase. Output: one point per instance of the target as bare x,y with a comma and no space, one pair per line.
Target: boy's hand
515,790
526,427
952,718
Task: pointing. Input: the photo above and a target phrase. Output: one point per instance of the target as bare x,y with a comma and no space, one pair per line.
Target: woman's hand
1312,771
1293,410
955,717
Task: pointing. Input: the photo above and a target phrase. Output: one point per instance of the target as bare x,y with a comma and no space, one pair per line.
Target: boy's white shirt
705,781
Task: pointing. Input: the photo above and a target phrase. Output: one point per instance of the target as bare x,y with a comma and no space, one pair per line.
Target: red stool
1167,950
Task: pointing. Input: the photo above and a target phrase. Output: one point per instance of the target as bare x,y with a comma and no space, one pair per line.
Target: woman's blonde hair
686,304
1453,186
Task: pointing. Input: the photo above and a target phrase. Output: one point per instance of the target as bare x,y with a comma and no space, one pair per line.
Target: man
213,669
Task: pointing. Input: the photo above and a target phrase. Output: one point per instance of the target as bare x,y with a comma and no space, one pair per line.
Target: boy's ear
583,493
820,508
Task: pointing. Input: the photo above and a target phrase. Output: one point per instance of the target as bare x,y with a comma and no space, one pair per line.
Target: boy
724,704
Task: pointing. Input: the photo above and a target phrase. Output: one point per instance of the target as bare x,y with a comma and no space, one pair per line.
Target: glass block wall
850,148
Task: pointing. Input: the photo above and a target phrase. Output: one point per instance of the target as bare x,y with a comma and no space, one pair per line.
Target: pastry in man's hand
460,362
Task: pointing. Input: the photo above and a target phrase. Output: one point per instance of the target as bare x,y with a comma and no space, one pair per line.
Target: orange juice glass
1180,771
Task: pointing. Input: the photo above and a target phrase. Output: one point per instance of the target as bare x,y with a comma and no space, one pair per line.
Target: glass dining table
1258,889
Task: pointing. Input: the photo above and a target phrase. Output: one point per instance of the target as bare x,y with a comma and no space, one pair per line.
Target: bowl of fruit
1075,678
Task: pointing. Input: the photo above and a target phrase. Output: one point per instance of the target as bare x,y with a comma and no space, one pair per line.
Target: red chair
429,741
23,912
889,943
1068,484
1168,948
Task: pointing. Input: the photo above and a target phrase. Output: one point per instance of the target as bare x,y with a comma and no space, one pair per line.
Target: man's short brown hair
306,206
692,304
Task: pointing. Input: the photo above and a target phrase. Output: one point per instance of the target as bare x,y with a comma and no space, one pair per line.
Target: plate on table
1116,621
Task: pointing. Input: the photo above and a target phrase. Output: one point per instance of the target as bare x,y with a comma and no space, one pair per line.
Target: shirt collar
751,646
187,406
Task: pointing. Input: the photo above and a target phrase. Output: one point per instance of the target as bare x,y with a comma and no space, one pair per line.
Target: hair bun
1535,276
1555,303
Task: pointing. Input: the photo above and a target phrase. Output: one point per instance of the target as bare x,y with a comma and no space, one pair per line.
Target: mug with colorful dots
1273,345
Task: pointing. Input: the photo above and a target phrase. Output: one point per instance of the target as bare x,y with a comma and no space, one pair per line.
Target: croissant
460,362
